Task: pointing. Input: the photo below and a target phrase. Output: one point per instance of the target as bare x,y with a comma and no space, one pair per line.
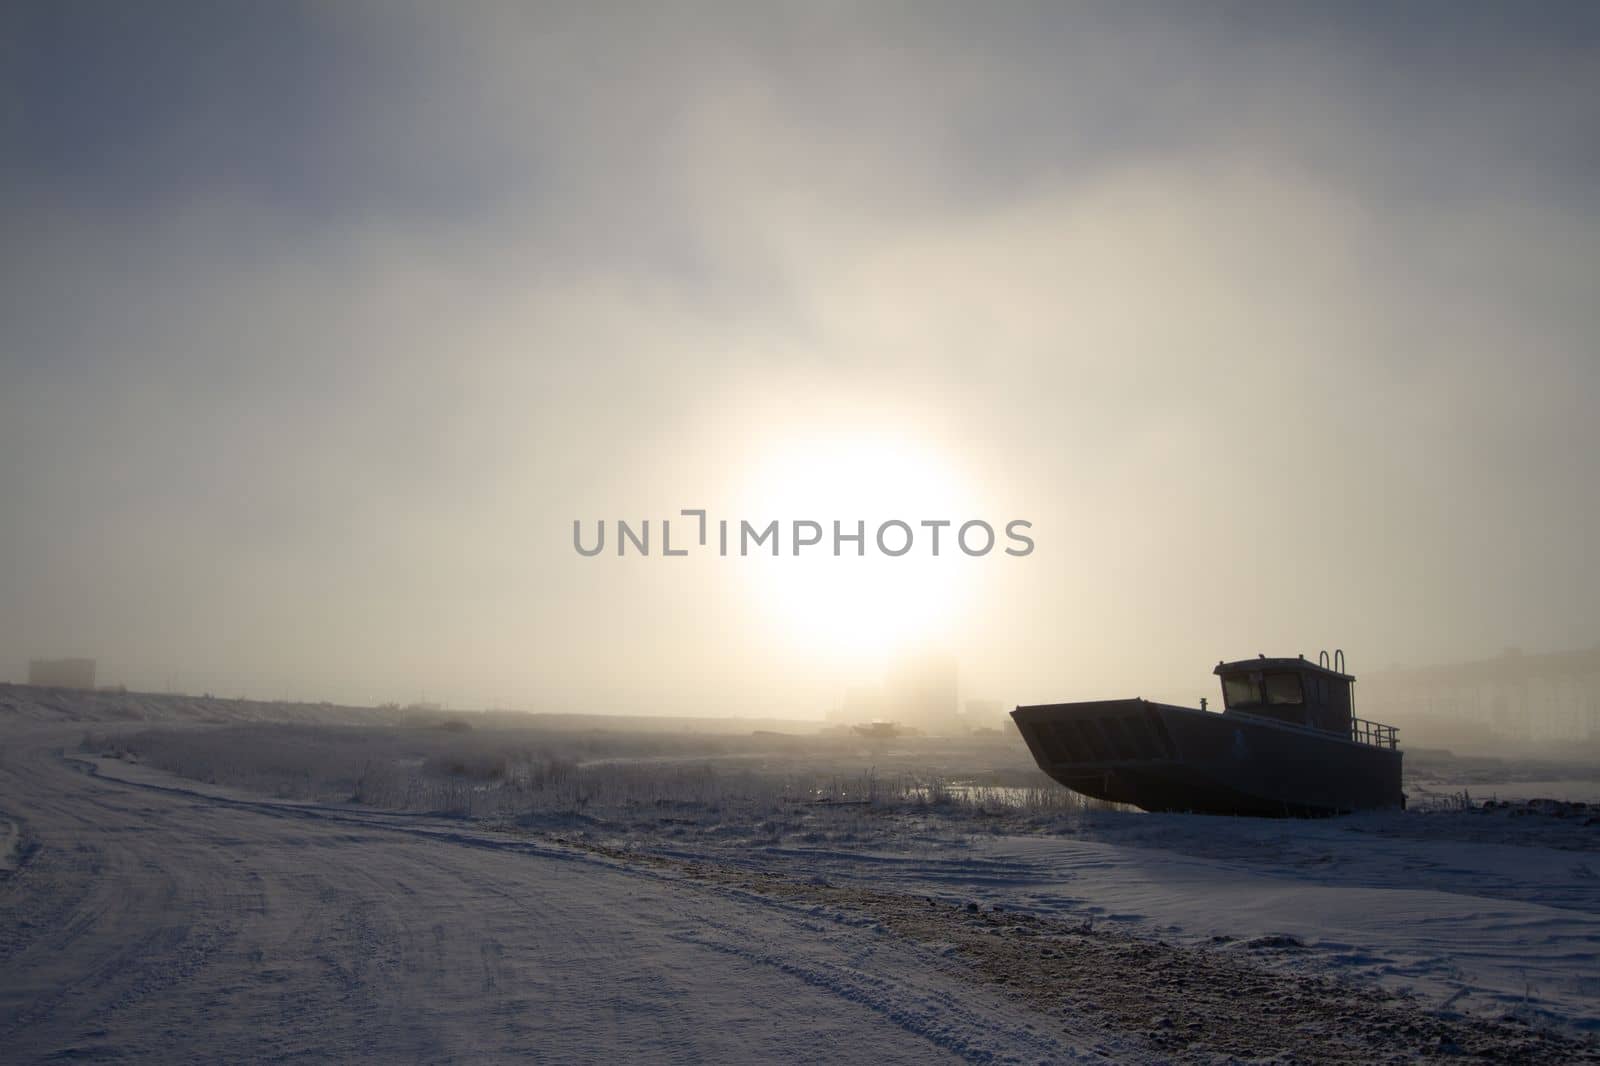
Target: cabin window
1242,690
1254,689
1282,689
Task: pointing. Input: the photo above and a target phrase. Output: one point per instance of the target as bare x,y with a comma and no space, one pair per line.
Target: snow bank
1470,926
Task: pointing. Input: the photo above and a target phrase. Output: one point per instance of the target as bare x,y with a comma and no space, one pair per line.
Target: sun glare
857,609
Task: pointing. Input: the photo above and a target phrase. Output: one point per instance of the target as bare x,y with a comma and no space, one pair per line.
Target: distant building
858,703
61,673
920,690
917,695
985,714
1543,697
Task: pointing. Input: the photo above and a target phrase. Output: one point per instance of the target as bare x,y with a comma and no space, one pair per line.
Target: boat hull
1164,758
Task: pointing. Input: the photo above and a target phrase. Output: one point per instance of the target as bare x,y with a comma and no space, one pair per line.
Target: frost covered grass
765,785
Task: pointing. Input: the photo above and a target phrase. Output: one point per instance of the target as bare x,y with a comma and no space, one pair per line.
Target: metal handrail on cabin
1374,733
1369,735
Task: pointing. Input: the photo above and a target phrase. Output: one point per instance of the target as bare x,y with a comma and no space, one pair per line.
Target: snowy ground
1483,928
168,925
159,917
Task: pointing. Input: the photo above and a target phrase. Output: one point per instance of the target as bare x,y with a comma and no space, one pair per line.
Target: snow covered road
169,926
155,918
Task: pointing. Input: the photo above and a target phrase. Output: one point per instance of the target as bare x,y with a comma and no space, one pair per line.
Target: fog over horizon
322,324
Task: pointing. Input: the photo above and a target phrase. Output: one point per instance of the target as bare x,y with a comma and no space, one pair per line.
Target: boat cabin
1295,691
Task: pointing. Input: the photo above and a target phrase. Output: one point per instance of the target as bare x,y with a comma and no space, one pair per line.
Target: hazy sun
848,610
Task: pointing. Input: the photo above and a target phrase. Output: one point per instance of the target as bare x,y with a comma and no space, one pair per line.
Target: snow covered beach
289,921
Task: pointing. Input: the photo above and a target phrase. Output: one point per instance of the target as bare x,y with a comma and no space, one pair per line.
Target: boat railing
1375,733
1361,731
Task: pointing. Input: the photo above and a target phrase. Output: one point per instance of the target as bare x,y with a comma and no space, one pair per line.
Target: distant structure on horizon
920,690
61,673
917,692
1549,696
859,703
989,713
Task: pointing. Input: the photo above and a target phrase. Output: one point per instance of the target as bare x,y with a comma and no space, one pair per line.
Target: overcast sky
320,325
